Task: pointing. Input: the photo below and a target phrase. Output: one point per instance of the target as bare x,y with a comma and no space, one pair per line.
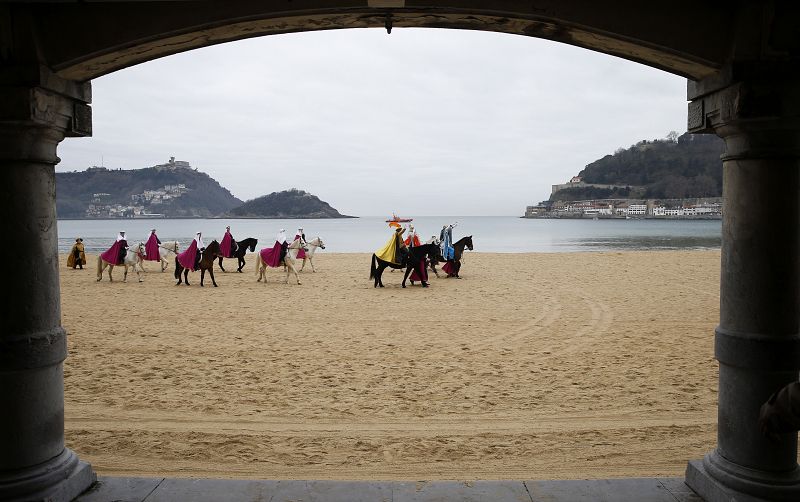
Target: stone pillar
757,341
34,117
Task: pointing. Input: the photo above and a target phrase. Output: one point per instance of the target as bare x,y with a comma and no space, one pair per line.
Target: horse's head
298,244
213,248
468,242
253,243
318,242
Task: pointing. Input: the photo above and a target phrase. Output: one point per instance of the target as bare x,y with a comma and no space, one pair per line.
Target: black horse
206,263
410,262
455,263
240,251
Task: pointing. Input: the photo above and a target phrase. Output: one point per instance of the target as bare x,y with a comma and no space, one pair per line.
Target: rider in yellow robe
391,251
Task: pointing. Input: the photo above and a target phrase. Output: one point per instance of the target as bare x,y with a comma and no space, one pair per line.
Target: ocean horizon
365,234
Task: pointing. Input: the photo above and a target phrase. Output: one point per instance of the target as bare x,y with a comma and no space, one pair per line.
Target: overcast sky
419,122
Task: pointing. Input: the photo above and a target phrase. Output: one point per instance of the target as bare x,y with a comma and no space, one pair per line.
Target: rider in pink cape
188,258
302,236
227,246
274,255
116,253
151,247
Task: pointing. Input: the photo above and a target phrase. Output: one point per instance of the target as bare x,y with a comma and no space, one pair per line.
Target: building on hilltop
173,164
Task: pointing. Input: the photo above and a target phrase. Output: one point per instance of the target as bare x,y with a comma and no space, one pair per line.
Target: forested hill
116,192
287,204
677,167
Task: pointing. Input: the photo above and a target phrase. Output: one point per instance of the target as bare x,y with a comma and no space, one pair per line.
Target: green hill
115,192
287,204
678,167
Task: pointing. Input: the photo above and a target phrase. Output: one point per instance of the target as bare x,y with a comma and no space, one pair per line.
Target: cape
151,249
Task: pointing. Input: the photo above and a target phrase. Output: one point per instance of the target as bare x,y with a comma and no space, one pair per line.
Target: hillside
287,204
173,189
677,167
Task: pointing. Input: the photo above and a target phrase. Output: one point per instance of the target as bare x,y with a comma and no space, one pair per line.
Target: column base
717,479
60,479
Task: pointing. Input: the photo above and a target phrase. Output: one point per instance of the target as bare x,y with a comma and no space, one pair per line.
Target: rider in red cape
151,247
227,246
412,240
189,258
274,255
302,236
116,253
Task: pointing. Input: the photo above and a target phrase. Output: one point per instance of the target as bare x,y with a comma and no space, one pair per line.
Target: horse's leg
297,277
110,269
202,276
186,276
379,273
405,276
311,262
164,264
220,267
241,264
211,273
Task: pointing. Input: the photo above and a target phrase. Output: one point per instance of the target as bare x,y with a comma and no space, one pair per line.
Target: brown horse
210,253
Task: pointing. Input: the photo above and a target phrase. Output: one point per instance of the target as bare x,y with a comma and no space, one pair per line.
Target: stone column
34,117
757,341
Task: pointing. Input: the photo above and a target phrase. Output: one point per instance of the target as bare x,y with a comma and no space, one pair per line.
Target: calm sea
497,234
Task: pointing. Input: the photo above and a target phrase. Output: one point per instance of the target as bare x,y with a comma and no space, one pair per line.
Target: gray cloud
422,122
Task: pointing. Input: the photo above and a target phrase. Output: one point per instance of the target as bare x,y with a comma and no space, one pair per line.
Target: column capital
754,107
37,111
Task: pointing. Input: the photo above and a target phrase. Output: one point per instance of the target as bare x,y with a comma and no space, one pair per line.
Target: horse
313,244
133,258
206,263
289,262
166,251
452,267
416,254
241,250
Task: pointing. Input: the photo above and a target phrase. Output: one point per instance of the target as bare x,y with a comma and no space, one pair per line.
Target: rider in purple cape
189,258
274,255
227,246
116,253
151,247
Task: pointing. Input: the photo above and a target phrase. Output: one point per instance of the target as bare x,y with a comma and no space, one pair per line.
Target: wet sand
533,366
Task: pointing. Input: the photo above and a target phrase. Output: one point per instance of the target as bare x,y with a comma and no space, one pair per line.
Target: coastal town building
709,208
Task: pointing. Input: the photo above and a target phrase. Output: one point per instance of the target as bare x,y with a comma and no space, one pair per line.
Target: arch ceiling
85,40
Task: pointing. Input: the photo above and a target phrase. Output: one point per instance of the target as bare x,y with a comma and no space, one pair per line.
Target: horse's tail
374,267
178,268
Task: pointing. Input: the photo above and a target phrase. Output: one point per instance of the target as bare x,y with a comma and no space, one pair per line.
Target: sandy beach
533,366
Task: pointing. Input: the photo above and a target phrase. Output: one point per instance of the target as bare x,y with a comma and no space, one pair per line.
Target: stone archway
742,61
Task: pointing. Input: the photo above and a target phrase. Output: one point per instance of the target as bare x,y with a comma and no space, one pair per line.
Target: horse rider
198,238
281,239
228,245
151,247
395,250
116,253
412,239
446,241
302,236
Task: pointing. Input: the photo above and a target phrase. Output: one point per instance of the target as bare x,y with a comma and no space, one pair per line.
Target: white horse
289,261
168,250
133,258
313,244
